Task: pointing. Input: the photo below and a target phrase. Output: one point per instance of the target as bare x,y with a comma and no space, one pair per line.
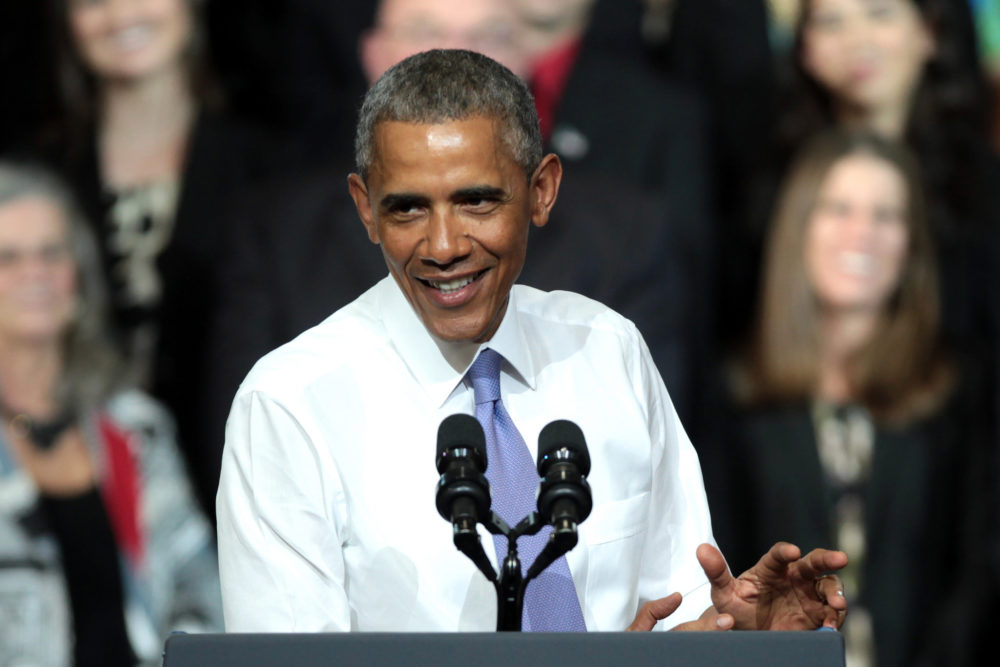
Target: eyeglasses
50,254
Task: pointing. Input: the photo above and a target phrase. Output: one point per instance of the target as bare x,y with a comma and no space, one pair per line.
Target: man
656,151
294,254
326,510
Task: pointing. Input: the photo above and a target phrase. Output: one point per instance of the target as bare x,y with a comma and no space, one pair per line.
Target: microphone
463,493
564,498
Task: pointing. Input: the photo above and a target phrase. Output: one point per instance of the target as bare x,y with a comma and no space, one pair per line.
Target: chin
458,336
457,333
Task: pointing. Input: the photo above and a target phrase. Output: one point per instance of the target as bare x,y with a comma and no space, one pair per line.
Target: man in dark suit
610,118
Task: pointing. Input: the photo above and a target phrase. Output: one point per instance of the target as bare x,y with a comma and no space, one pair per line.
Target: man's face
406,27
450,208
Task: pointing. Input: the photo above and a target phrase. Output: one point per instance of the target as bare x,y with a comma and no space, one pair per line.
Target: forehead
31,218
470,147
864,173
454,14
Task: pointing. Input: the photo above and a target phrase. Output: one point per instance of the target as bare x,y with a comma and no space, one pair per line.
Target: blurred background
796,201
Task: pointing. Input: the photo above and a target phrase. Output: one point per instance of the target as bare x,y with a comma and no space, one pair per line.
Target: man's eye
480,203
405,210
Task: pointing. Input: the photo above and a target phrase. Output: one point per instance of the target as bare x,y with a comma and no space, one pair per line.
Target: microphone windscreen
461,430
564,433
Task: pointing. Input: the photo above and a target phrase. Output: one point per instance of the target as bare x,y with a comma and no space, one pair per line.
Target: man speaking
326,509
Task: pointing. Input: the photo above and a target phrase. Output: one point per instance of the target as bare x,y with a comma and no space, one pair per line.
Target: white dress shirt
326,509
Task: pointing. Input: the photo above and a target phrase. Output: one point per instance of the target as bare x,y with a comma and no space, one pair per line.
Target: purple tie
550,602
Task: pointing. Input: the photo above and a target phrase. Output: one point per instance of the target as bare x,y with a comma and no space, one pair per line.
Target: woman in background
853,425
154,160
908,71
103,550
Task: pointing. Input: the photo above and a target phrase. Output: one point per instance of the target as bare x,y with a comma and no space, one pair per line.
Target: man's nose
446,240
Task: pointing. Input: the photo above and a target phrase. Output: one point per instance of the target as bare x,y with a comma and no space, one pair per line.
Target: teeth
133,36
452,285
856,262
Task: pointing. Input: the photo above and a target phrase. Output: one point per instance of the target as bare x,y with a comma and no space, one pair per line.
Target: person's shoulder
341,341
560,308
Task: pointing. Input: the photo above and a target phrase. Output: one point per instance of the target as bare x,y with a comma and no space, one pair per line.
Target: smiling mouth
856,263
451,286
132,37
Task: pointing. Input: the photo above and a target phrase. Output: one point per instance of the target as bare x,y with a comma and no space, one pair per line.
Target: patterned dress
165,544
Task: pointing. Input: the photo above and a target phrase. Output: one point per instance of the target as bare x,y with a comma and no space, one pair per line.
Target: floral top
168,559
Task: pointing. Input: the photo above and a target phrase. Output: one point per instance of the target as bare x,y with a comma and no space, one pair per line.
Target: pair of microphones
463,498
463,493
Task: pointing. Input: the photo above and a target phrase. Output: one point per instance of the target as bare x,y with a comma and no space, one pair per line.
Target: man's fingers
710,621
819,562
778,558
714,565
653,611
830,589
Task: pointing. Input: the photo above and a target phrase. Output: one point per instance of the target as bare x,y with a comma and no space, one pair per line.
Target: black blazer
926,576
296,251
640,136
224,157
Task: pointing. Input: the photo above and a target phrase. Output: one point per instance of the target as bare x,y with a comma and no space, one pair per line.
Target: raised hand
783,591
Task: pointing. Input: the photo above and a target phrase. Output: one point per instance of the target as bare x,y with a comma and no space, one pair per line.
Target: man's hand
783,591
656,610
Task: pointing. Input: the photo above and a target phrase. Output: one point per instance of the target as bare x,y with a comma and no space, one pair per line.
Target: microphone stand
510,585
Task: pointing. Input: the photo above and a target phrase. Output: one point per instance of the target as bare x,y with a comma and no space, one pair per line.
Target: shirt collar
439,366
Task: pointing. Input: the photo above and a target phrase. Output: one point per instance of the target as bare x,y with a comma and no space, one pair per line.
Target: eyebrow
402,200
479,192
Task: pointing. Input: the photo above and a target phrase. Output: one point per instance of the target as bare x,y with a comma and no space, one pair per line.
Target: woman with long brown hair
154,158
853,425
908,71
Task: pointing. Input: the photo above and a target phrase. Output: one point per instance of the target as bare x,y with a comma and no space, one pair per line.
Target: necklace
42,434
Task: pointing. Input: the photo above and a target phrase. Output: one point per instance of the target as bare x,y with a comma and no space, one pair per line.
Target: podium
513,649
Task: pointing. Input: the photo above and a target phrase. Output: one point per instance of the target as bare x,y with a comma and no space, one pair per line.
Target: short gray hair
451,84
91,367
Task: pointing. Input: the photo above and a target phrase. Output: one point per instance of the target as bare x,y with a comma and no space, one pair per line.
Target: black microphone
463,493
563,462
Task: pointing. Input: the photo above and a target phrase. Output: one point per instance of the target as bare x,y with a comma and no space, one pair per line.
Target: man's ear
544,188
359,193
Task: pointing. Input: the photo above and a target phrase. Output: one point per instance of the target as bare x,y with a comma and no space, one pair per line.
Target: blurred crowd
796,201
